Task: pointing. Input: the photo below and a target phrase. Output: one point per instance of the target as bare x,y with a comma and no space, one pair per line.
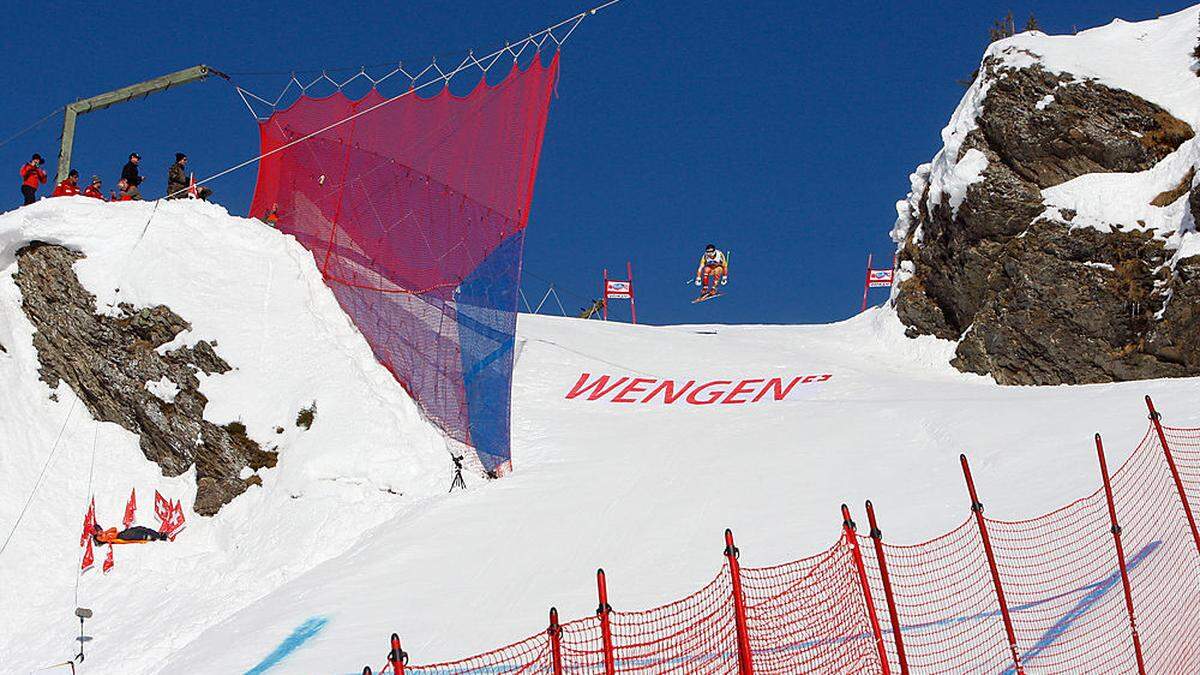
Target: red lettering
636,385
776,384
808,378
711,399
742,387
598,390
668,387
824,378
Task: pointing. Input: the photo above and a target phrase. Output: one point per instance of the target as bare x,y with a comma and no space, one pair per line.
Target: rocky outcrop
108,361
1032,300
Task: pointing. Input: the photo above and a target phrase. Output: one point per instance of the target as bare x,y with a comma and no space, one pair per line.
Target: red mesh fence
809,615
1059,574
945,601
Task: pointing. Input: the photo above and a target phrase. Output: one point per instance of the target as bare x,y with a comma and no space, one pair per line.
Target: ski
707,297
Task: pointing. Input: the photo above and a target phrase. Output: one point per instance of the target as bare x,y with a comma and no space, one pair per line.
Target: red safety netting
1166,587
945,602
693,635
415,212
1059,574
529,656
809,615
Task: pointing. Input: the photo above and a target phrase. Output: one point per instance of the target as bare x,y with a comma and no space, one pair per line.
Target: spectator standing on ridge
32,175
130,172
126,192
271,217
69,187
178,183
93,190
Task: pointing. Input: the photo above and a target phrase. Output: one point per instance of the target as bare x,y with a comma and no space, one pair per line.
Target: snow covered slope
368,456
645,490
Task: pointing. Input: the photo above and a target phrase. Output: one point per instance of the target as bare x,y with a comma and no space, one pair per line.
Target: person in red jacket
32,175
94,190
69,187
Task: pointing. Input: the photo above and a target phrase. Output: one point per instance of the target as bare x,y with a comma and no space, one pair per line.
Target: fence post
397,656
848,529
1116,533
605,627
1162,439
745,658
977,509
877,538
555,633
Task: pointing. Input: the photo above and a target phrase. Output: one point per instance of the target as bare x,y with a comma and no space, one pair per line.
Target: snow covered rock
1065,258
107,361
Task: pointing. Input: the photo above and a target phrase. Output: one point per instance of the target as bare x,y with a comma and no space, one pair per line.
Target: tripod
458,477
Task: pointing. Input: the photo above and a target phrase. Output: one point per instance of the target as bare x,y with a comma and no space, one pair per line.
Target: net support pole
849,529
1156,419
396,656
1116,533
632,300
867,281
603,611
604,293
555,633
977,509
893,614
745,658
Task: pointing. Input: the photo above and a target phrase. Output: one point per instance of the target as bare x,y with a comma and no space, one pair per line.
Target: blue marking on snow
1086,603
303,633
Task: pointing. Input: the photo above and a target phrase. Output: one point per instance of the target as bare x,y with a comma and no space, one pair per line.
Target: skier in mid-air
712,271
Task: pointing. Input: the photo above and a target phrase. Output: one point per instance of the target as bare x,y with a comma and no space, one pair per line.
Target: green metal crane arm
111,98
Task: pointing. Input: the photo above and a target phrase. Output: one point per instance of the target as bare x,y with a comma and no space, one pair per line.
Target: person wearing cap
93,189
130,172
69,187
178,182
32,175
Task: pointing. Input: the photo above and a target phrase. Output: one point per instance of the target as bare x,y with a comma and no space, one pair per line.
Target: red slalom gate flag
88,557
193,191
89,522
162,508
108,561
130,508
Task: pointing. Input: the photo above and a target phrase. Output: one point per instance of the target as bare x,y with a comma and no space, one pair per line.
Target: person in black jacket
130,172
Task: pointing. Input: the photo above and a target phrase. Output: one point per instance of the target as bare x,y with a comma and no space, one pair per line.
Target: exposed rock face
108,360
1033,300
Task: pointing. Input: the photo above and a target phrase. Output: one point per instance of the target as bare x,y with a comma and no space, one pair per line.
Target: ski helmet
710,247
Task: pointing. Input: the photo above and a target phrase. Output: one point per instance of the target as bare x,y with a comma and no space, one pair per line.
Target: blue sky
783,131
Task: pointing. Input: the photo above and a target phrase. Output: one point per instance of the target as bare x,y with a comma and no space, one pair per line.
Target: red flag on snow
89,521
130,508
108,561
193,191
88,557
162,508
176,523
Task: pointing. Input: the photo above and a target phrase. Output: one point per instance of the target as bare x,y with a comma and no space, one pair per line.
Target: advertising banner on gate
618,290
879,278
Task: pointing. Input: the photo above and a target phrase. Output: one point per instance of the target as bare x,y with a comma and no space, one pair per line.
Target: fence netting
1059,573
415,211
